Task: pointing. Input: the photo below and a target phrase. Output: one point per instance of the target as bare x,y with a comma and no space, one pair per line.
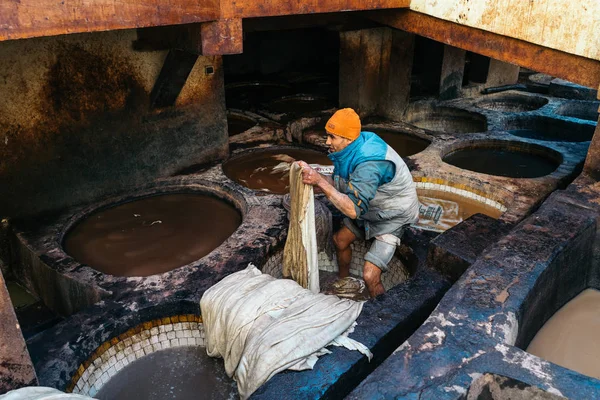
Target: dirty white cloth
41,393
438,215
300,254
261,325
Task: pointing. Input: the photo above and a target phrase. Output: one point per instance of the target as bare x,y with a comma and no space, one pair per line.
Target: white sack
261,325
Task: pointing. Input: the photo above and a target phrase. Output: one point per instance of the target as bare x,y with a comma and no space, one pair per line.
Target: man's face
336,143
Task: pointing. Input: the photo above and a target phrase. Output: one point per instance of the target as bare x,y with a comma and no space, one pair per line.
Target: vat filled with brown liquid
507,160
243,95
512,102
267,170
405,145
152,235
570,338
238,123
549,129
445,119
175,373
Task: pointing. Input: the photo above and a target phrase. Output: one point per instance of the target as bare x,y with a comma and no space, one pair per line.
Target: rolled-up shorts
383,247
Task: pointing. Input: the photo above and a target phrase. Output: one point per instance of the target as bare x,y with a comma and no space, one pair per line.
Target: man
372,187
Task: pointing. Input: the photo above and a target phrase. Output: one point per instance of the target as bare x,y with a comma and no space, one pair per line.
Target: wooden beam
253,8
577,69
224,36
32,18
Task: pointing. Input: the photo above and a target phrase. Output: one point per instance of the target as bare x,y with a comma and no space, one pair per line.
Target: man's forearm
341,201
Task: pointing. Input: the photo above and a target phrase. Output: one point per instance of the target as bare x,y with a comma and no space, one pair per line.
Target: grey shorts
383,247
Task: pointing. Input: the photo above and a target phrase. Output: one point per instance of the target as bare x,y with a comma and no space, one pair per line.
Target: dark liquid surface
299,105
498,162
556,136
178,373
152,235
404,144
237,125
251,94
257,170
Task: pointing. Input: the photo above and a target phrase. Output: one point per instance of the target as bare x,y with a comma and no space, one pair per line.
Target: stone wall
76,122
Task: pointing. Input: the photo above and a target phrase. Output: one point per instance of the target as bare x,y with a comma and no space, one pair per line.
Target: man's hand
339,200
309,175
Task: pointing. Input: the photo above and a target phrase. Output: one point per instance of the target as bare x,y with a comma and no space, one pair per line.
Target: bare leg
372,277
342,240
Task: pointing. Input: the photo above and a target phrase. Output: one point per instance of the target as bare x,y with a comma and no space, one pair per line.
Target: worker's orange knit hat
344,123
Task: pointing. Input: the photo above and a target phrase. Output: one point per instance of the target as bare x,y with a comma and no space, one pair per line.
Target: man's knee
343,238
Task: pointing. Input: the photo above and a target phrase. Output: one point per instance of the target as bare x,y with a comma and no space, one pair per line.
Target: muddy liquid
237,124
299,105
178,373
152,235
570,338
404,144
514,164
268,170
441,210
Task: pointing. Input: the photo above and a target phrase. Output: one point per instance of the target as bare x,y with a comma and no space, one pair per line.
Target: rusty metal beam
32,18
577,69
253,8
224,36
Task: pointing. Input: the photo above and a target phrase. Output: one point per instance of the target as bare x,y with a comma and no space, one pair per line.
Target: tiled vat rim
461,192
113,355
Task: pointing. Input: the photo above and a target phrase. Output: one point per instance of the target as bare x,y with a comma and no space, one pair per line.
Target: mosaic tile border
146,338
460,192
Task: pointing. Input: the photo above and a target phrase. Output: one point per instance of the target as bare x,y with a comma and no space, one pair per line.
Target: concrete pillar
375,67
453,69
395,76
501,73
16,368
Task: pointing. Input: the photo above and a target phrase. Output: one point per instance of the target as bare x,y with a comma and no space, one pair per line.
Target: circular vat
252,93
400,268
587,110
299,104
443,207
508,159
405,144
152,235
569,338
175,373
156,360
512,103
549,129
238,123
316,84
267,170
445,119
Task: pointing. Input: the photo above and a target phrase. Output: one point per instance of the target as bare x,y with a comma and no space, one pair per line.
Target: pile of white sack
41,393
261,325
